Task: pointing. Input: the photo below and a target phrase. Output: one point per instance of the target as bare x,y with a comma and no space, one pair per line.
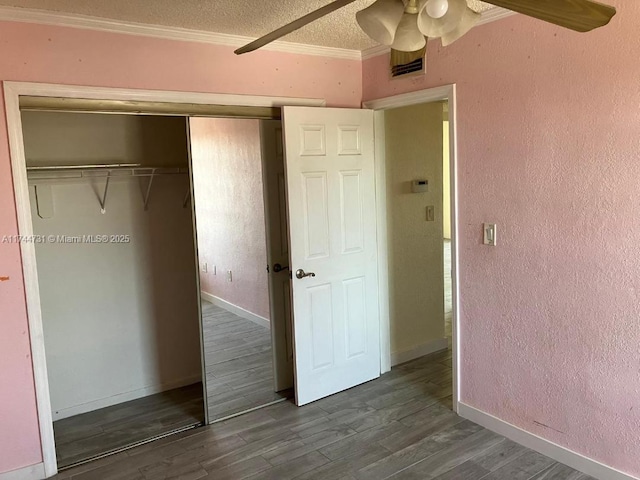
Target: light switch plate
490,231
431,213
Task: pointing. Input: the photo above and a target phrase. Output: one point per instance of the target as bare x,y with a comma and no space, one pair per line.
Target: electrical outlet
229,276
205,268
431,213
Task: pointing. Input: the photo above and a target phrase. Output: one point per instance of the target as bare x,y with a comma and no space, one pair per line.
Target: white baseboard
32,472
241,312
560,454
123,397
419,351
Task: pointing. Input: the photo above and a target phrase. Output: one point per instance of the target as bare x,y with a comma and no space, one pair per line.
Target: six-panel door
332,223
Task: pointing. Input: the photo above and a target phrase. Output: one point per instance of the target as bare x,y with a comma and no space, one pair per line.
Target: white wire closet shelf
54,172
107,172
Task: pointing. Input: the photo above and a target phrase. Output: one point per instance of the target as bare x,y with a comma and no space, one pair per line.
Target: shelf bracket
103,200
44,201
148,192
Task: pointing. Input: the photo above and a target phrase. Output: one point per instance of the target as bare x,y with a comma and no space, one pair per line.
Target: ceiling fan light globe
437,8
381,19
436,27
408,37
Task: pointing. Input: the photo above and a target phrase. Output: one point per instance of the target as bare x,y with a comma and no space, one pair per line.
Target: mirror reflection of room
229,197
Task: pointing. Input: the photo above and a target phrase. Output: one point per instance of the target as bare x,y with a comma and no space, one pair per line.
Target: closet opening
162,257
115,256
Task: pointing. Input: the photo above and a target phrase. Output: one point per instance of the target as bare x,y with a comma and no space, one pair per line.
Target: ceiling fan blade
578,15
293,26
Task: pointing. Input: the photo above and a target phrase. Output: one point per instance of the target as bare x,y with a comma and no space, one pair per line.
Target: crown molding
375,51
488,16
43,17
493,14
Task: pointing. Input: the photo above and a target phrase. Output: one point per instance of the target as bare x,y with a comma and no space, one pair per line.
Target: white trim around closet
12,93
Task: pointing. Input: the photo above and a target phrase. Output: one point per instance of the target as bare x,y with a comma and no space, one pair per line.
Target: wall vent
407,63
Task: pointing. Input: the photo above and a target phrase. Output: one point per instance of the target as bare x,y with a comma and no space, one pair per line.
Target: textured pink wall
19,434
39,53
227,170
549,149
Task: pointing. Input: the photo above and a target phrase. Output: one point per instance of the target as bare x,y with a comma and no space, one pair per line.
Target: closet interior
161,247
114,239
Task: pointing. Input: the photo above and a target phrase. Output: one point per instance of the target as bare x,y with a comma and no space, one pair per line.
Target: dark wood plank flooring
91,434
238,363
239,378
399,426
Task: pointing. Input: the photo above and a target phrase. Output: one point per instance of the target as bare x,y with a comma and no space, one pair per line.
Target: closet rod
65,173
85,167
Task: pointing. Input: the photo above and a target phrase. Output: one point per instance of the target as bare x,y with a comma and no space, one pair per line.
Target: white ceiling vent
407,63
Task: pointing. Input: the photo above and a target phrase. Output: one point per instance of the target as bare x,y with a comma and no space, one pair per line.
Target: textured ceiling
251,18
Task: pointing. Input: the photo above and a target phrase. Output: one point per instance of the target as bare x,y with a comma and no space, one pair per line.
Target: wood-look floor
238,362
399,427
239,377
85,436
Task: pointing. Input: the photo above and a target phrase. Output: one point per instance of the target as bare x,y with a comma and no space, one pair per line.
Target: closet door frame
118,96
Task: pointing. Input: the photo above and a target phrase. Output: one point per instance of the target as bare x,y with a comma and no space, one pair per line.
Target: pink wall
227,170
39,53
19,434
549,149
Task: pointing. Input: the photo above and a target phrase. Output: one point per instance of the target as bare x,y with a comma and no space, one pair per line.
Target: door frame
12,93
446,92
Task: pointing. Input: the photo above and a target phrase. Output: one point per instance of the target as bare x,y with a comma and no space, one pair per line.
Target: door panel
332,224
316,215
355,314
319,299
351,210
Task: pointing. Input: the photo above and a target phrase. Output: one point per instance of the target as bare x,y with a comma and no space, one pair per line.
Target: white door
277,251
332,226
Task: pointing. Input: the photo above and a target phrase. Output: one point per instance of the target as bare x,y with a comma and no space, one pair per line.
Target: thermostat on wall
420,186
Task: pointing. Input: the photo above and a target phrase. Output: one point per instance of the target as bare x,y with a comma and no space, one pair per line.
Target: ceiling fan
404,24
